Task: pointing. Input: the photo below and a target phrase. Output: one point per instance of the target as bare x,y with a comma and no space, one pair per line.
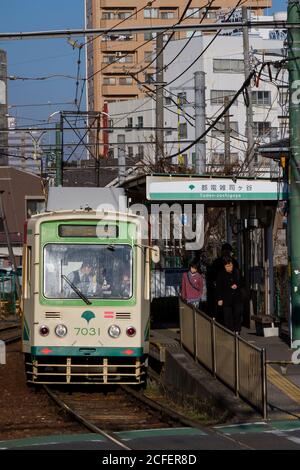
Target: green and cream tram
85,298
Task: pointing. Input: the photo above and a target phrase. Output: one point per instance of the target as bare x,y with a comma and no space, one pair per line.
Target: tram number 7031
87,331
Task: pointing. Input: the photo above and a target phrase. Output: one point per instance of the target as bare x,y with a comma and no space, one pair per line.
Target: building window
260,98
125,81
148,36
228,65
140,122
219,129
193,13
123,57
130,152
151,13
148,56
182,130
116,14
217,96
212,15
109,80
129,123
140,152
264,129
117,37
118,56
168,14
109,59
283,98
283,127
217,158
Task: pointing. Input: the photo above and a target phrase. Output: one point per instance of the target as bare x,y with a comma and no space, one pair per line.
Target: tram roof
66,198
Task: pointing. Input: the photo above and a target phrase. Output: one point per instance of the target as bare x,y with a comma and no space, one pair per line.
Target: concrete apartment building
110,57
223,65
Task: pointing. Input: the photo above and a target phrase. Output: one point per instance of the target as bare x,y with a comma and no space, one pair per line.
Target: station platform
185,377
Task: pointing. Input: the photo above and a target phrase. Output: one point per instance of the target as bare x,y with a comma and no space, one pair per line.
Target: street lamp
36,146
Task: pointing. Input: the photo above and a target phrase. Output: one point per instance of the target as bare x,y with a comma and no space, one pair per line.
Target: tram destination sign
160,188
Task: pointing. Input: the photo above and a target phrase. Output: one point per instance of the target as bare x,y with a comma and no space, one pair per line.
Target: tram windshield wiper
75,289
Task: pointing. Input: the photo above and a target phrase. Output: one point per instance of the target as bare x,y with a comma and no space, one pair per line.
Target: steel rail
110,436
177,416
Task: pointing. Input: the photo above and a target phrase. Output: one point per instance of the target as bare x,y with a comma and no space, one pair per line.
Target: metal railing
229,357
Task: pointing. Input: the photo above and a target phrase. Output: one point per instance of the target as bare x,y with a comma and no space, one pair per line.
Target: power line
168,40
206,47
157,29
226,108
89,41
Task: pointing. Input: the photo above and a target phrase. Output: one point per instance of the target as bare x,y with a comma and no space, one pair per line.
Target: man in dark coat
228,293
212,274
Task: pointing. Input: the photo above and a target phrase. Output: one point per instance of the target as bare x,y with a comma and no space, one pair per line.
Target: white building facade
223,65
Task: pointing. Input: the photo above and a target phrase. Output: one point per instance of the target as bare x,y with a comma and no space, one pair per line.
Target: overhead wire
182,17
90,40
219,117
207,46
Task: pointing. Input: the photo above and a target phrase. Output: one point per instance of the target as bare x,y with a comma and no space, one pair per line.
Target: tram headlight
44,330
114,331
61,331
130,331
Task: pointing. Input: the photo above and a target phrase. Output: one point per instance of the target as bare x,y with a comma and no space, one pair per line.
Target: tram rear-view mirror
155,254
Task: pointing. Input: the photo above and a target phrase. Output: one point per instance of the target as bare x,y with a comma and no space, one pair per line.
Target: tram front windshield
96,271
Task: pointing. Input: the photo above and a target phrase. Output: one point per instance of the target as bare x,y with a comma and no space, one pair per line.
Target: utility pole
121,157
200,148
179,104
58,147
227,162
249,108
227,158
294,177
250,209
159,147
97,161
10,250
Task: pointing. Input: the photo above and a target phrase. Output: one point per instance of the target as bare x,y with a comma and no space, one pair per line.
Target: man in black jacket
228,291
211,279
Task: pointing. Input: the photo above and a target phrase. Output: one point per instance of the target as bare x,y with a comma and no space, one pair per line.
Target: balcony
119,45
119,90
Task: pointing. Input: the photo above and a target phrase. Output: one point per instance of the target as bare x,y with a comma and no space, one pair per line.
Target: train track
10,334
123,410
119,410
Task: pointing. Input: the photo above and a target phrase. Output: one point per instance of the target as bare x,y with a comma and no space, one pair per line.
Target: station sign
164,188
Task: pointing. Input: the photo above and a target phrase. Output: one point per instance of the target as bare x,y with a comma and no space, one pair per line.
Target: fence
230,358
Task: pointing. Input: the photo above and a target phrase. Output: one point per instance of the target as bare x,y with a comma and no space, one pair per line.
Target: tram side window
97,271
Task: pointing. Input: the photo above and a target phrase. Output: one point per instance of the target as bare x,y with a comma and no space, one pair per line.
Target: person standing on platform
228,293
192,286
216,267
